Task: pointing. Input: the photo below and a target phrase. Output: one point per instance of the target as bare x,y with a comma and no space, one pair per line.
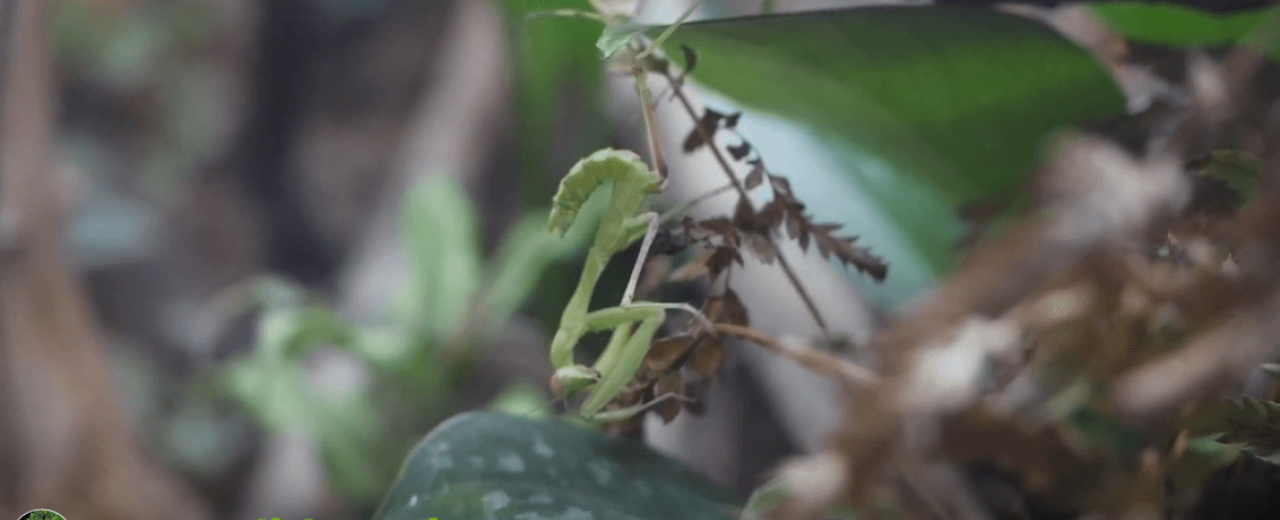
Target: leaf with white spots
484,465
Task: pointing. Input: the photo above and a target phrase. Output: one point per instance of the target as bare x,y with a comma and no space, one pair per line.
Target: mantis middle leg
625,352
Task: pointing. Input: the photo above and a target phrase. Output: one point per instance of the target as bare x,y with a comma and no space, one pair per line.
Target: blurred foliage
928,109
558,79
1178,26
126,50
415,357
154,54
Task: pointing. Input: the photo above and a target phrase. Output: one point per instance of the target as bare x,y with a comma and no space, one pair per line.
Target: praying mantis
630,182
625,221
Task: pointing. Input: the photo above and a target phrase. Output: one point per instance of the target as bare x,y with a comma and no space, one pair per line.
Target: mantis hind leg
620,361
623,414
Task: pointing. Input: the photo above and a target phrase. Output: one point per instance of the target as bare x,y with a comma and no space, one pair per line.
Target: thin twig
565,13
686,206
813,359
650,123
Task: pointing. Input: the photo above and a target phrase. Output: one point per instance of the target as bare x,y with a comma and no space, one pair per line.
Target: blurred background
254,250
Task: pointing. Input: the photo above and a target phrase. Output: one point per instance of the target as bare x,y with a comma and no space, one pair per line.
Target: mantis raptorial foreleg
650,232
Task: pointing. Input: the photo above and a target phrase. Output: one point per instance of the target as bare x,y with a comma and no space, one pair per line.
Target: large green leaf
961,97
482,465
557,75
925,106
1179,26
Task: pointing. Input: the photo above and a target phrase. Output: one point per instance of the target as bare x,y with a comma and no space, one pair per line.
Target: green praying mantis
624,222
634,324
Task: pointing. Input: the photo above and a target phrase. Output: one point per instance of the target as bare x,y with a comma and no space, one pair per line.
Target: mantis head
632,179
569,380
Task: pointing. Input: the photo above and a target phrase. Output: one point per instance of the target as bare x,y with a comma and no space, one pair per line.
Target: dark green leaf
925,106
974,91
486,465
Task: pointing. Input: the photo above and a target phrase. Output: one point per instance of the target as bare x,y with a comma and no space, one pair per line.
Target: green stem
657,42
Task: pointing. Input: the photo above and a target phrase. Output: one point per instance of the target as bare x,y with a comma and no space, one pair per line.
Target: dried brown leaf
712,307
756,177
773,213
721,259
706,127
693,269
734,311
709,358
721,226
693,390
625,426
781,186
761,248
690,60
744,216
731,120
848,252
671,383
739,151
796,229
666,351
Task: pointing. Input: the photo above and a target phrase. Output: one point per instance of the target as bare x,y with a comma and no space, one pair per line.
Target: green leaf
440,234
276,393
526,252
1105,433
972,91
353,446
766,498
523,399
482,465
557,73
1250,422
927,108
1238,169
290,332
1179,26
1254,423
1203,456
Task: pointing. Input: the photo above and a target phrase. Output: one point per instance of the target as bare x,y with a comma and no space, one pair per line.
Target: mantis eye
568,380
